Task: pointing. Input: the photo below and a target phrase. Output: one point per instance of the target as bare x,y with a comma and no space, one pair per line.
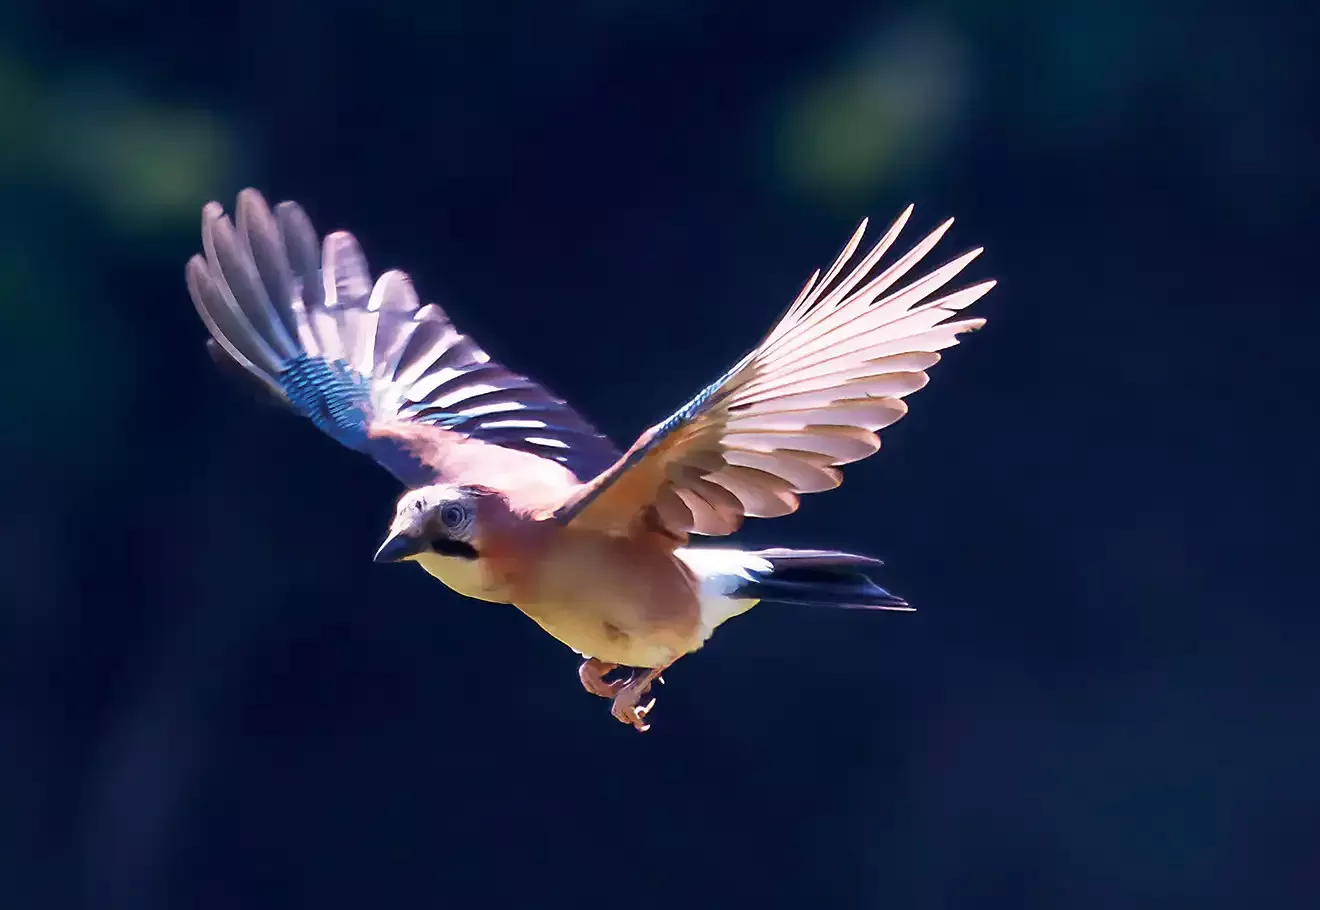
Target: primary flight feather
513,497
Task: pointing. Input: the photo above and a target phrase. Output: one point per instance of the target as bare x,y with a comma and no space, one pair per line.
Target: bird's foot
628,707
592,673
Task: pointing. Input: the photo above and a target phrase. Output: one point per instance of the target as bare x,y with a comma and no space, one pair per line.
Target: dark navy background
1103,505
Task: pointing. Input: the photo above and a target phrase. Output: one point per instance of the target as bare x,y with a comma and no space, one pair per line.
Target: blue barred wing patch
332,395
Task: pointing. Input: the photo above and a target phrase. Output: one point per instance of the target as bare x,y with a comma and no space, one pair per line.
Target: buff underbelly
599,617
613,638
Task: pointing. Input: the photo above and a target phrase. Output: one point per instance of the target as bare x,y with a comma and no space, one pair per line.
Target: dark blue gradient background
1103,505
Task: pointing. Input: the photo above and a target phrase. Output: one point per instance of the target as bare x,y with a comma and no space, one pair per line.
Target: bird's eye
453,516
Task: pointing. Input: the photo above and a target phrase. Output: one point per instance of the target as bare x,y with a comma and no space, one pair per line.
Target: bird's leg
592,673
628,707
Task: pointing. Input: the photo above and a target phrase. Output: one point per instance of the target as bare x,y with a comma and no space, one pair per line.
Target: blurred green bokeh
89,165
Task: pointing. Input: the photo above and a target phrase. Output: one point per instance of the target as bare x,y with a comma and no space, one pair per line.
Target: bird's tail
818,578
814,578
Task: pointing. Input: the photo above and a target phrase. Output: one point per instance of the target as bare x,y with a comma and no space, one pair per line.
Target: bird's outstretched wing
363,359
810,397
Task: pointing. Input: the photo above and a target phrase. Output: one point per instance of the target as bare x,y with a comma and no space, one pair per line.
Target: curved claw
631,715
626,708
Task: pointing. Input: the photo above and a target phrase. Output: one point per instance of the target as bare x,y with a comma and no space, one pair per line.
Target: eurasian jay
512,497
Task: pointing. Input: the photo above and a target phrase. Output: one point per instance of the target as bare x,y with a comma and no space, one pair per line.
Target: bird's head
440,519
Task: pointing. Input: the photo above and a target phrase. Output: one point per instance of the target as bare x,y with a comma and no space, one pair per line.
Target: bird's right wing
367,363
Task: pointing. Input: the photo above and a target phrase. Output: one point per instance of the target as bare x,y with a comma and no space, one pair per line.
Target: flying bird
513,497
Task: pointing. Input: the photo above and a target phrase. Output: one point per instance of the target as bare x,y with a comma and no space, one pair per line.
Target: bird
512,497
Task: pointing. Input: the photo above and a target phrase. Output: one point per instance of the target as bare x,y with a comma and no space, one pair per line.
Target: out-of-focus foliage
87,163
140,160
1102,505
884,114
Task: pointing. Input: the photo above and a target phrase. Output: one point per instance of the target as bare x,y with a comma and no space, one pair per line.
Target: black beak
396,548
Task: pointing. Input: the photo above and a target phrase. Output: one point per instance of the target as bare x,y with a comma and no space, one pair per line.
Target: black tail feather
819,578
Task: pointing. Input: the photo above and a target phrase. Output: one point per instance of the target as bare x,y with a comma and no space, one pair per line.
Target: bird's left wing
367,363
810,397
